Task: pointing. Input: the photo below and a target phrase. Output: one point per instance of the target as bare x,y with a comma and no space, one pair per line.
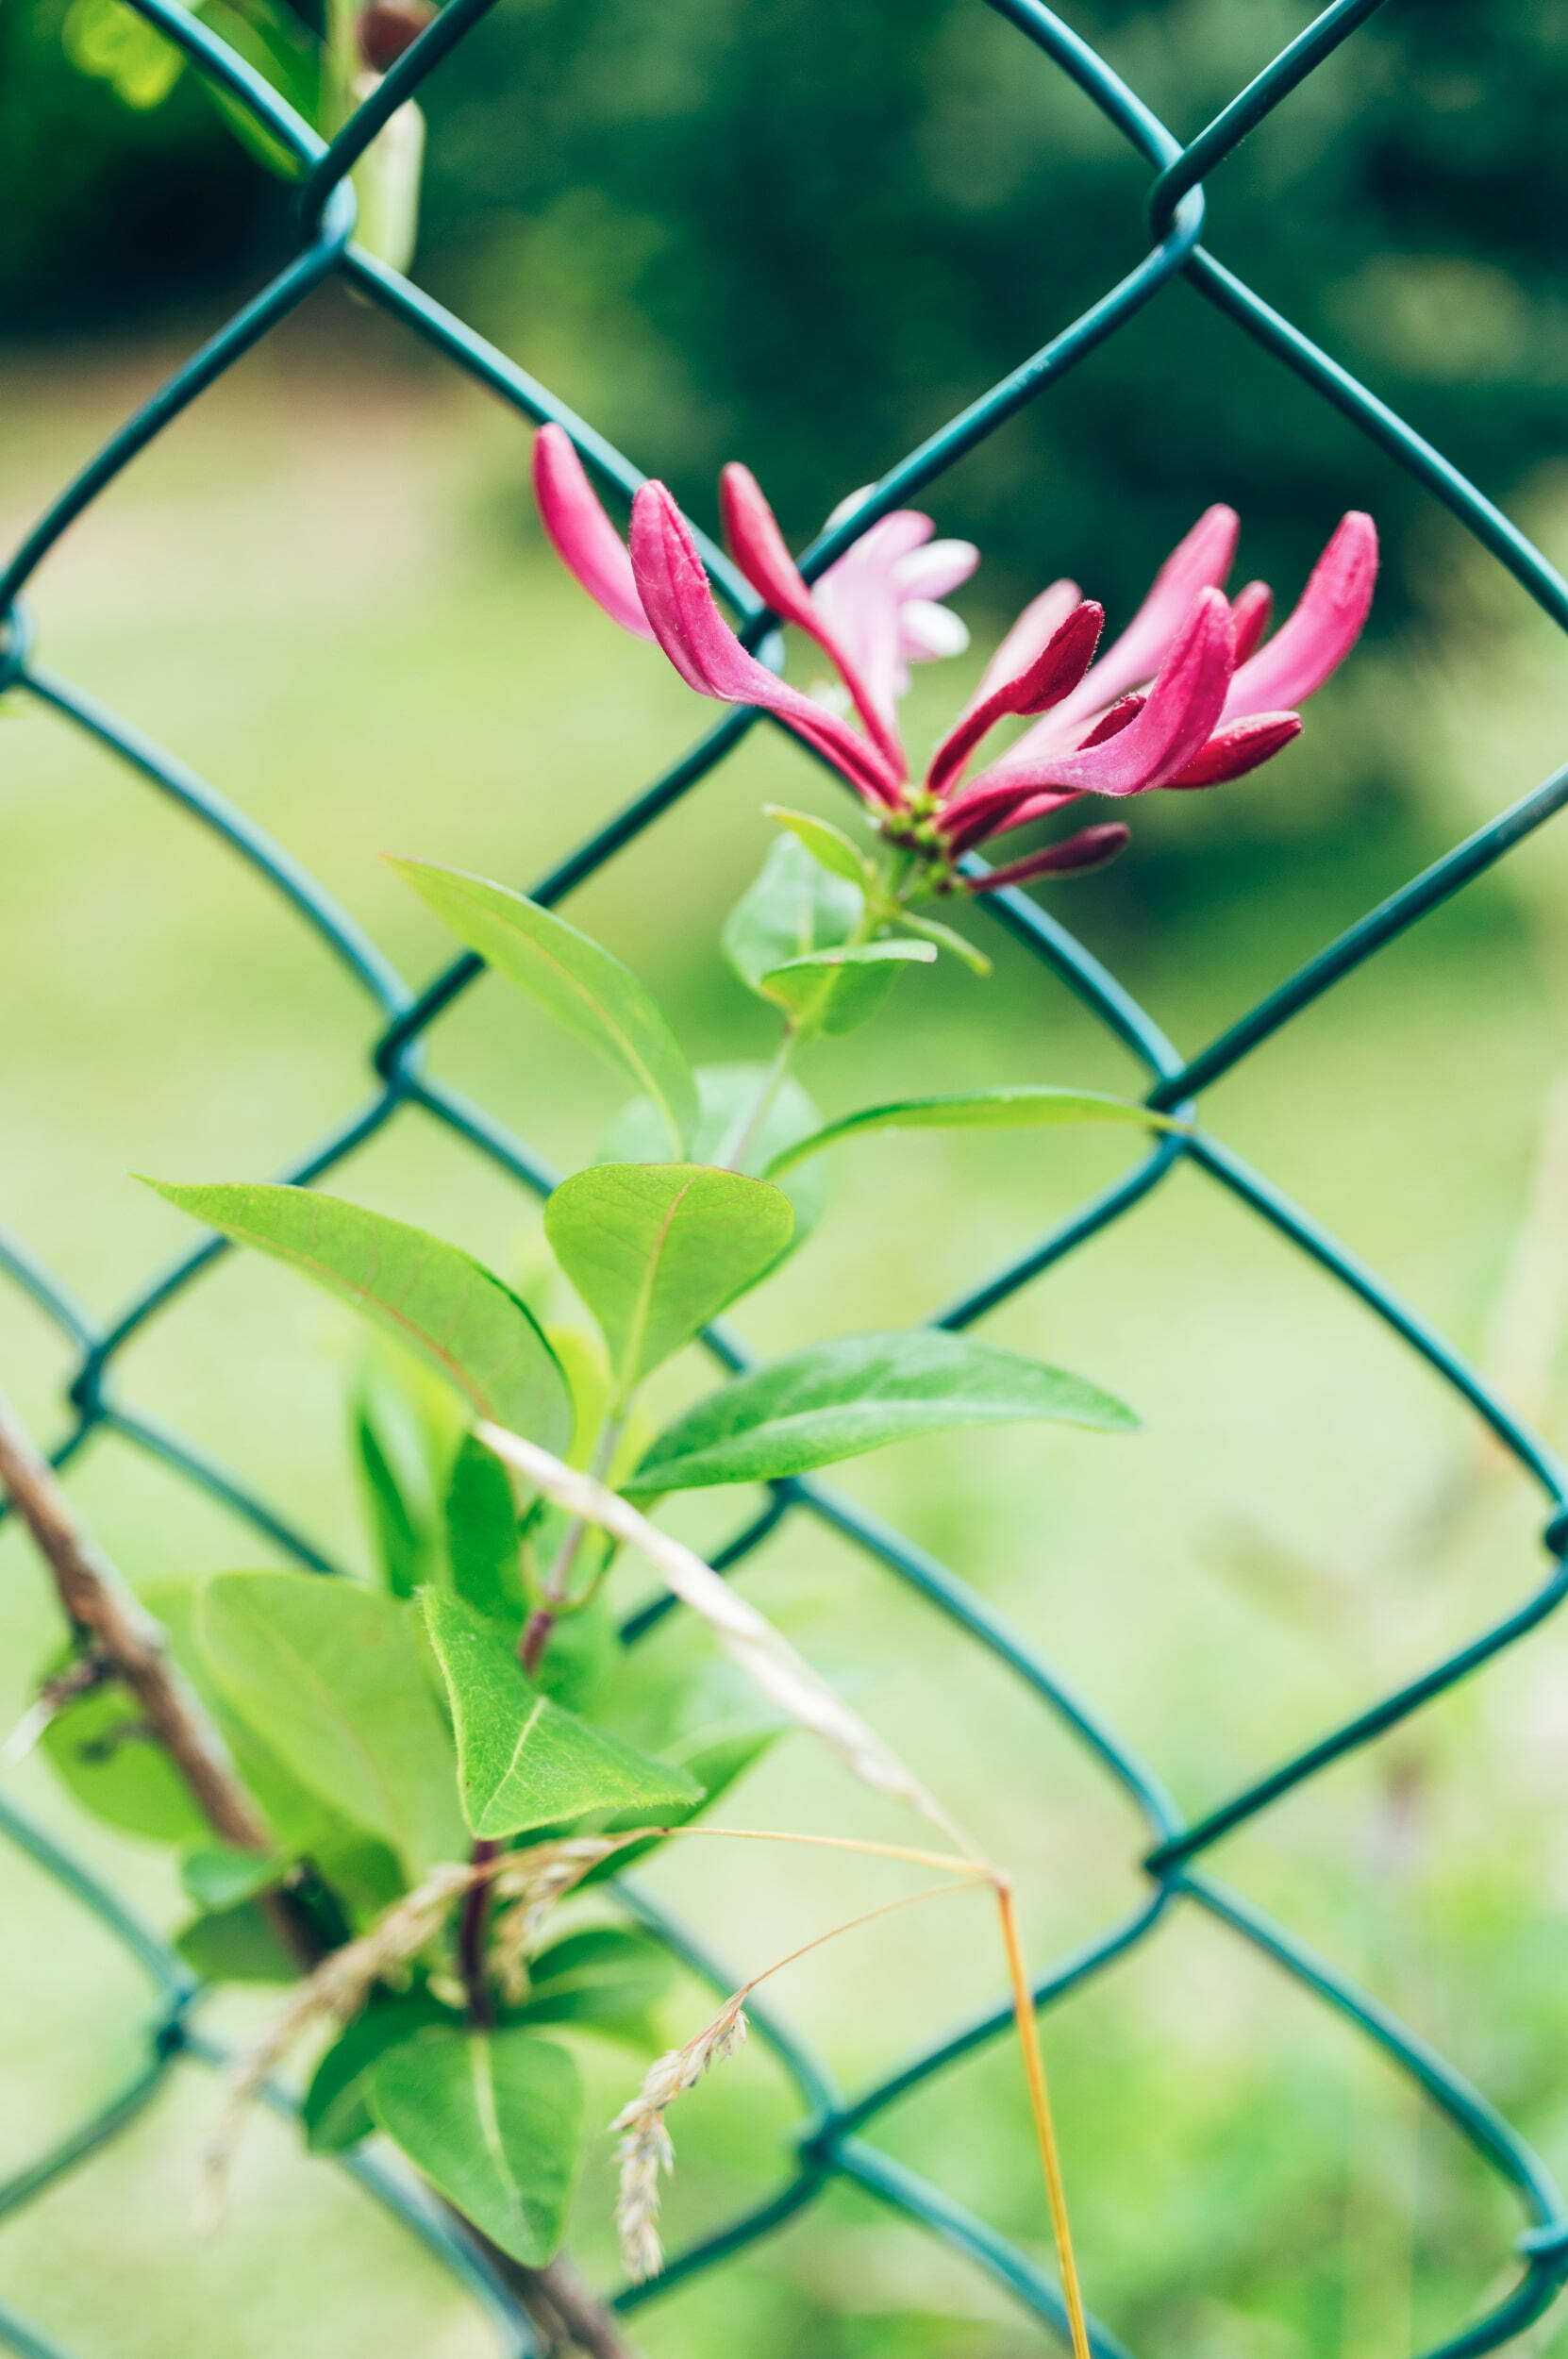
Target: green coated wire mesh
833,2141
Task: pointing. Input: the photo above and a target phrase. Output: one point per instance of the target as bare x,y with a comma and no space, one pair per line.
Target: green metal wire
829,2144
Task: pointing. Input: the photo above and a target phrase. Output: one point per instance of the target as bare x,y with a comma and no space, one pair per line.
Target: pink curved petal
705,651
1238,747
1180,716
1045,680
1322,629
997,812
584,537
927,630
1041,619
1250,611
1089,849
859,602
933,571
758,548
1200,561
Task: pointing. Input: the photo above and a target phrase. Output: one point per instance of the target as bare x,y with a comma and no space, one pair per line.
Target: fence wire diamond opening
832,2141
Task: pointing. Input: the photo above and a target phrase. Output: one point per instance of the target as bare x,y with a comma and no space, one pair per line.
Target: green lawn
321,590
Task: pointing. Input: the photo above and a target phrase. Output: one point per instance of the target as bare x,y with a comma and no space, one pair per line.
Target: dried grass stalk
766,1656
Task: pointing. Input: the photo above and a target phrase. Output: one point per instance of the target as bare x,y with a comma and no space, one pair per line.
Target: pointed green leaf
495,2120
984,1110
838,1400
582,986
608,1976
331,1674
482,1540
836,991
524,1760
656,1250
793,908
217,1876
335,2112
106,1756
440,1301
946,938
237,1944
829,846
727,1093
399,1518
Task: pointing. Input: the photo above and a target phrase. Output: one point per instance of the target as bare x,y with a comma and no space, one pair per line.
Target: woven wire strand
831,2143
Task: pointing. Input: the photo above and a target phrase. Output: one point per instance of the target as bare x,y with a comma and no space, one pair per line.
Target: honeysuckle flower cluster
1189,696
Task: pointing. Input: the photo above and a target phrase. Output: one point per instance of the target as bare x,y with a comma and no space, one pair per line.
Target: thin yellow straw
1040,2104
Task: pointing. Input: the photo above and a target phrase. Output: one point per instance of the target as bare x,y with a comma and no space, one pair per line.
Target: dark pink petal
1040,621
758,549
1177,721
1112,724
709,657
1322,629
1238,747
1089,849
584,538
1201,561
1044,681
1250,613
996,811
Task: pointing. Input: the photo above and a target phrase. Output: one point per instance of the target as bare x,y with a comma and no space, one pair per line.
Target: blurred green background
804,235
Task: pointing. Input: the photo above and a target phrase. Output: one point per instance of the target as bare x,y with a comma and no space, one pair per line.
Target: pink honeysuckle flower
1190,694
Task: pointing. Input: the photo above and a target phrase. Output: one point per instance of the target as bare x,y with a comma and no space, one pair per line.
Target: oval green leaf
836,991
331,1675
581,984
839,1399
335,2113
975,1110
656,1250
793,908
829,846
608,1976
727,1093
495,2120
524,1760
440,1301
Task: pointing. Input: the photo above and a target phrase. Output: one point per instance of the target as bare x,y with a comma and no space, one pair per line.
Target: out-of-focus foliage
809,233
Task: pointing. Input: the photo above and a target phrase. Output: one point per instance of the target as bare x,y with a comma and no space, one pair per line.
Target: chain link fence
833,2140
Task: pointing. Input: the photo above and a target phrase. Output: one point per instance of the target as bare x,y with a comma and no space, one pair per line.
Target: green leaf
482,1544
105,1755
656,1250
583,1652
399,1518
332,1675
836,991
795,907
495,2120
946,938
727,1093
582,986
440,1301
217,1876
829,846
524,1760
838,1400
608,1976
974,1109
237,1945
335,2112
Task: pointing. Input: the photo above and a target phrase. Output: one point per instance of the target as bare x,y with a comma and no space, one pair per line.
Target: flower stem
472,1928
1040,2105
